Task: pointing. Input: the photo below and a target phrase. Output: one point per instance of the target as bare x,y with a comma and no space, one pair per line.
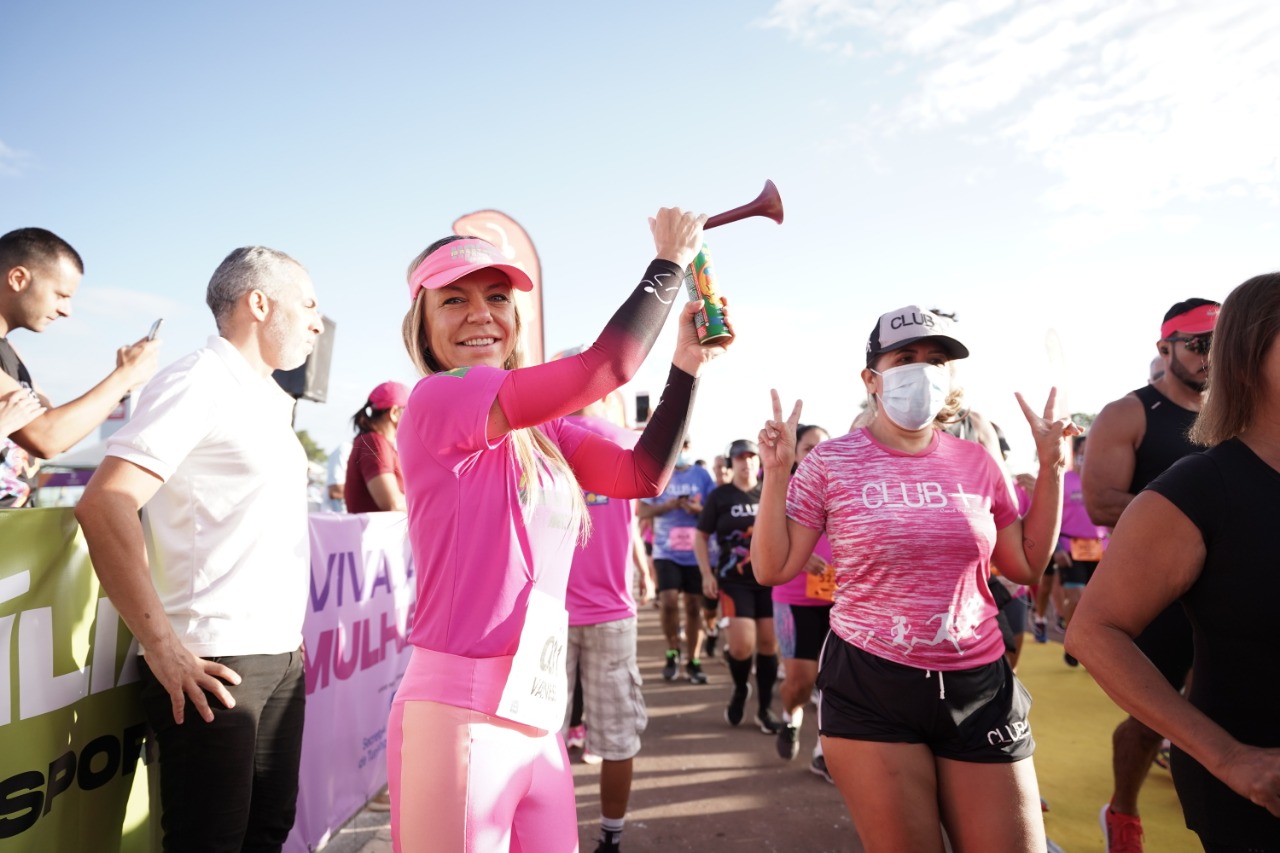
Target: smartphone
155,329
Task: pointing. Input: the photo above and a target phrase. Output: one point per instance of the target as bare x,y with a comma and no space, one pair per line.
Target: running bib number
1088,550
680,539
821,586
536,689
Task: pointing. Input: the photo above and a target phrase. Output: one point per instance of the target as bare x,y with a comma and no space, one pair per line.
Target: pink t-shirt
600,579
477,551
795,591
1075,518
911,538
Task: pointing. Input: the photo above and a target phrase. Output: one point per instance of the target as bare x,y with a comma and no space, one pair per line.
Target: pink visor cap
1191,317
453,260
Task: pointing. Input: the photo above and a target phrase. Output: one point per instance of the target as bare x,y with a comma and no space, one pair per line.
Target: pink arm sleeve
534,395
604,467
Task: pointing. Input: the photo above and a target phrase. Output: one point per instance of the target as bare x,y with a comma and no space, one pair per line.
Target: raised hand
1050,431
777,441
677,235
140,360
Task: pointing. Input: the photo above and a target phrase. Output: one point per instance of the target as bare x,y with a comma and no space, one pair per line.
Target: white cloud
11,160
1132,105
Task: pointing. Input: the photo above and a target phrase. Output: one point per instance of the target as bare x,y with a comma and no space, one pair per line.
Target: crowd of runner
884,576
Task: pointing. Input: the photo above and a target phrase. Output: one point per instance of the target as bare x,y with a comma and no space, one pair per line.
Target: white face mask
914,393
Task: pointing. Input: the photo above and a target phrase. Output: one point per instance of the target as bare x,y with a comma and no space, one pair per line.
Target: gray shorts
613,706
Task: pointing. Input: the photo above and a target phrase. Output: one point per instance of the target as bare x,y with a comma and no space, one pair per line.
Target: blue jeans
231,785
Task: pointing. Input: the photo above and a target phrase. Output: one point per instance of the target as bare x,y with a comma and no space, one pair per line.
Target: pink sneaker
576,738
1122,832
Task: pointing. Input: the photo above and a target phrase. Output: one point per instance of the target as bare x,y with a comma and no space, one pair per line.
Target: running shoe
737,704
380,803
1069,660
610,842
694,673
1121,832
672,667
709,644
818,767
1040,630
788,742
768,721
589,757
576,737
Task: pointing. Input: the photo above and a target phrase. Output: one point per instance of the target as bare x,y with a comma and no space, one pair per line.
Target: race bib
537,687
1088,550
680,539
821,586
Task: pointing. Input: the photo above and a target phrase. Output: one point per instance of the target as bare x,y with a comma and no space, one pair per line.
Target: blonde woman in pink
494,481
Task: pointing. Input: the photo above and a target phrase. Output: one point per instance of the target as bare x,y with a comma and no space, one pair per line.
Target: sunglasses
1197,344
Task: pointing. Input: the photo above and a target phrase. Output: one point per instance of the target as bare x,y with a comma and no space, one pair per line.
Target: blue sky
1073,167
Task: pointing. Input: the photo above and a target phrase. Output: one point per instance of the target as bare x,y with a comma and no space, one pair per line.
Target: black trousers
231,785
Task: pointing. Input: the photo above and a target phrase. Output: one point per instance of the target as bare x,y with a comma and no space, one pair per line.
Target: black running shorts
743,601
975,715
673,575
1079,573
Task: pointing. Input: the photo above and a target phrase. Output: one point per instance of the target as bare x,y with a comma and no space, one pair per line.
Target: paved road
699,784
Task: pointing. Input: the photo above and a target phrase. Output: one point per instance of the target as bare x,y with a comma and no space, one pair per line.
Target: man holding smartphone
213,578
41,273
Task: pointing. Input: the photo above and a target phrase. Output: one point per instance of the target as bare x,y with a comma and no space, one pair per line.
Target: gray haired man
213,579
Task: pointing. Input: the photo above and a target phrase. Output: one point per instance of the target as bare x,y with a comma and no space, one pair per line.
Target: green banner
72,775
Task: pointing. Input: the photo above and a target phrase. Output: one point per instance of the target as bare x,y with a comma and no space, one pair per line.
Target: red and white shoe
1122,832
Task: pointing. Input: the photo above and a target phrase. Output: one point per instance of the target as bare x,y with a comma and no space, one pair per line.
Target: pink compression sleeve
604,467
534,395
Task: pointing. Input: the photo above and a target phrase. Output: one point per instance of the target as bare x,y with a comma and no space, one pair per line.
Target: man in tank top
1133,440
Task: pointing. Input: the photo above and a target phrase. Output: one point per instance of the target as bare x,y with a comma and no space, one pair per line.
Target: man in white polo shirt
213,579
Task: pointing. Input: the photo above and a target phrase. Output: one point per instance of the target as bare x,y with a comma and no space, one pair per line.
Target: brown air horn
768,203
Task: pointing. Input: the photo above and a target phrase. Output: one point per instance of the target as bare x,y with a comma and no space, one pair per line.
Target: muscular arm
108,514
1112,456
60,427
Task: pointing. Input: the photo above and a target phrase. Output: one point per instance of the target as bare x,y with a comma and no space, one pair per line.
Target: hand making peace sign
777,441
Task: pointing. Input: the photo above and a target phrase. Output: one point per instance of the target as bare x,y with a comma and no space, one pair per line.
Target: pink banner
516,246
362,594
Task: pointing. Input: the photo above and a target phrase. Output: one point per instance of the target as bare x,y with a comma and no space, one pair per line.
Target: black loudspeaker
642,408
310,381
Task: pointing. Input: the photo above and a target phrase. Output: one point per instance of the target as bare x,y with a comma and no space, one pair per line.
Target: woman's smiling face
471,321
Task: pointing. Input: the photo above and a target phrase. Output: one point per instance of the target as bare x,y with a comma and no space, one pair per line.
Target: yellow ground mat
1072,721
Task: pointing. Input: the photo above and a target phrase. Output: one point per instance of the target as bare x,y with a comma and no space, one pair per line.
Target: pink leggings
463,780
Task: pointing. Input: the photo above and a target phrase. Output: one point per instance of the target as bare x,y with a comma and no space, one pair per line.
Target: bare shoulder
1121,421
